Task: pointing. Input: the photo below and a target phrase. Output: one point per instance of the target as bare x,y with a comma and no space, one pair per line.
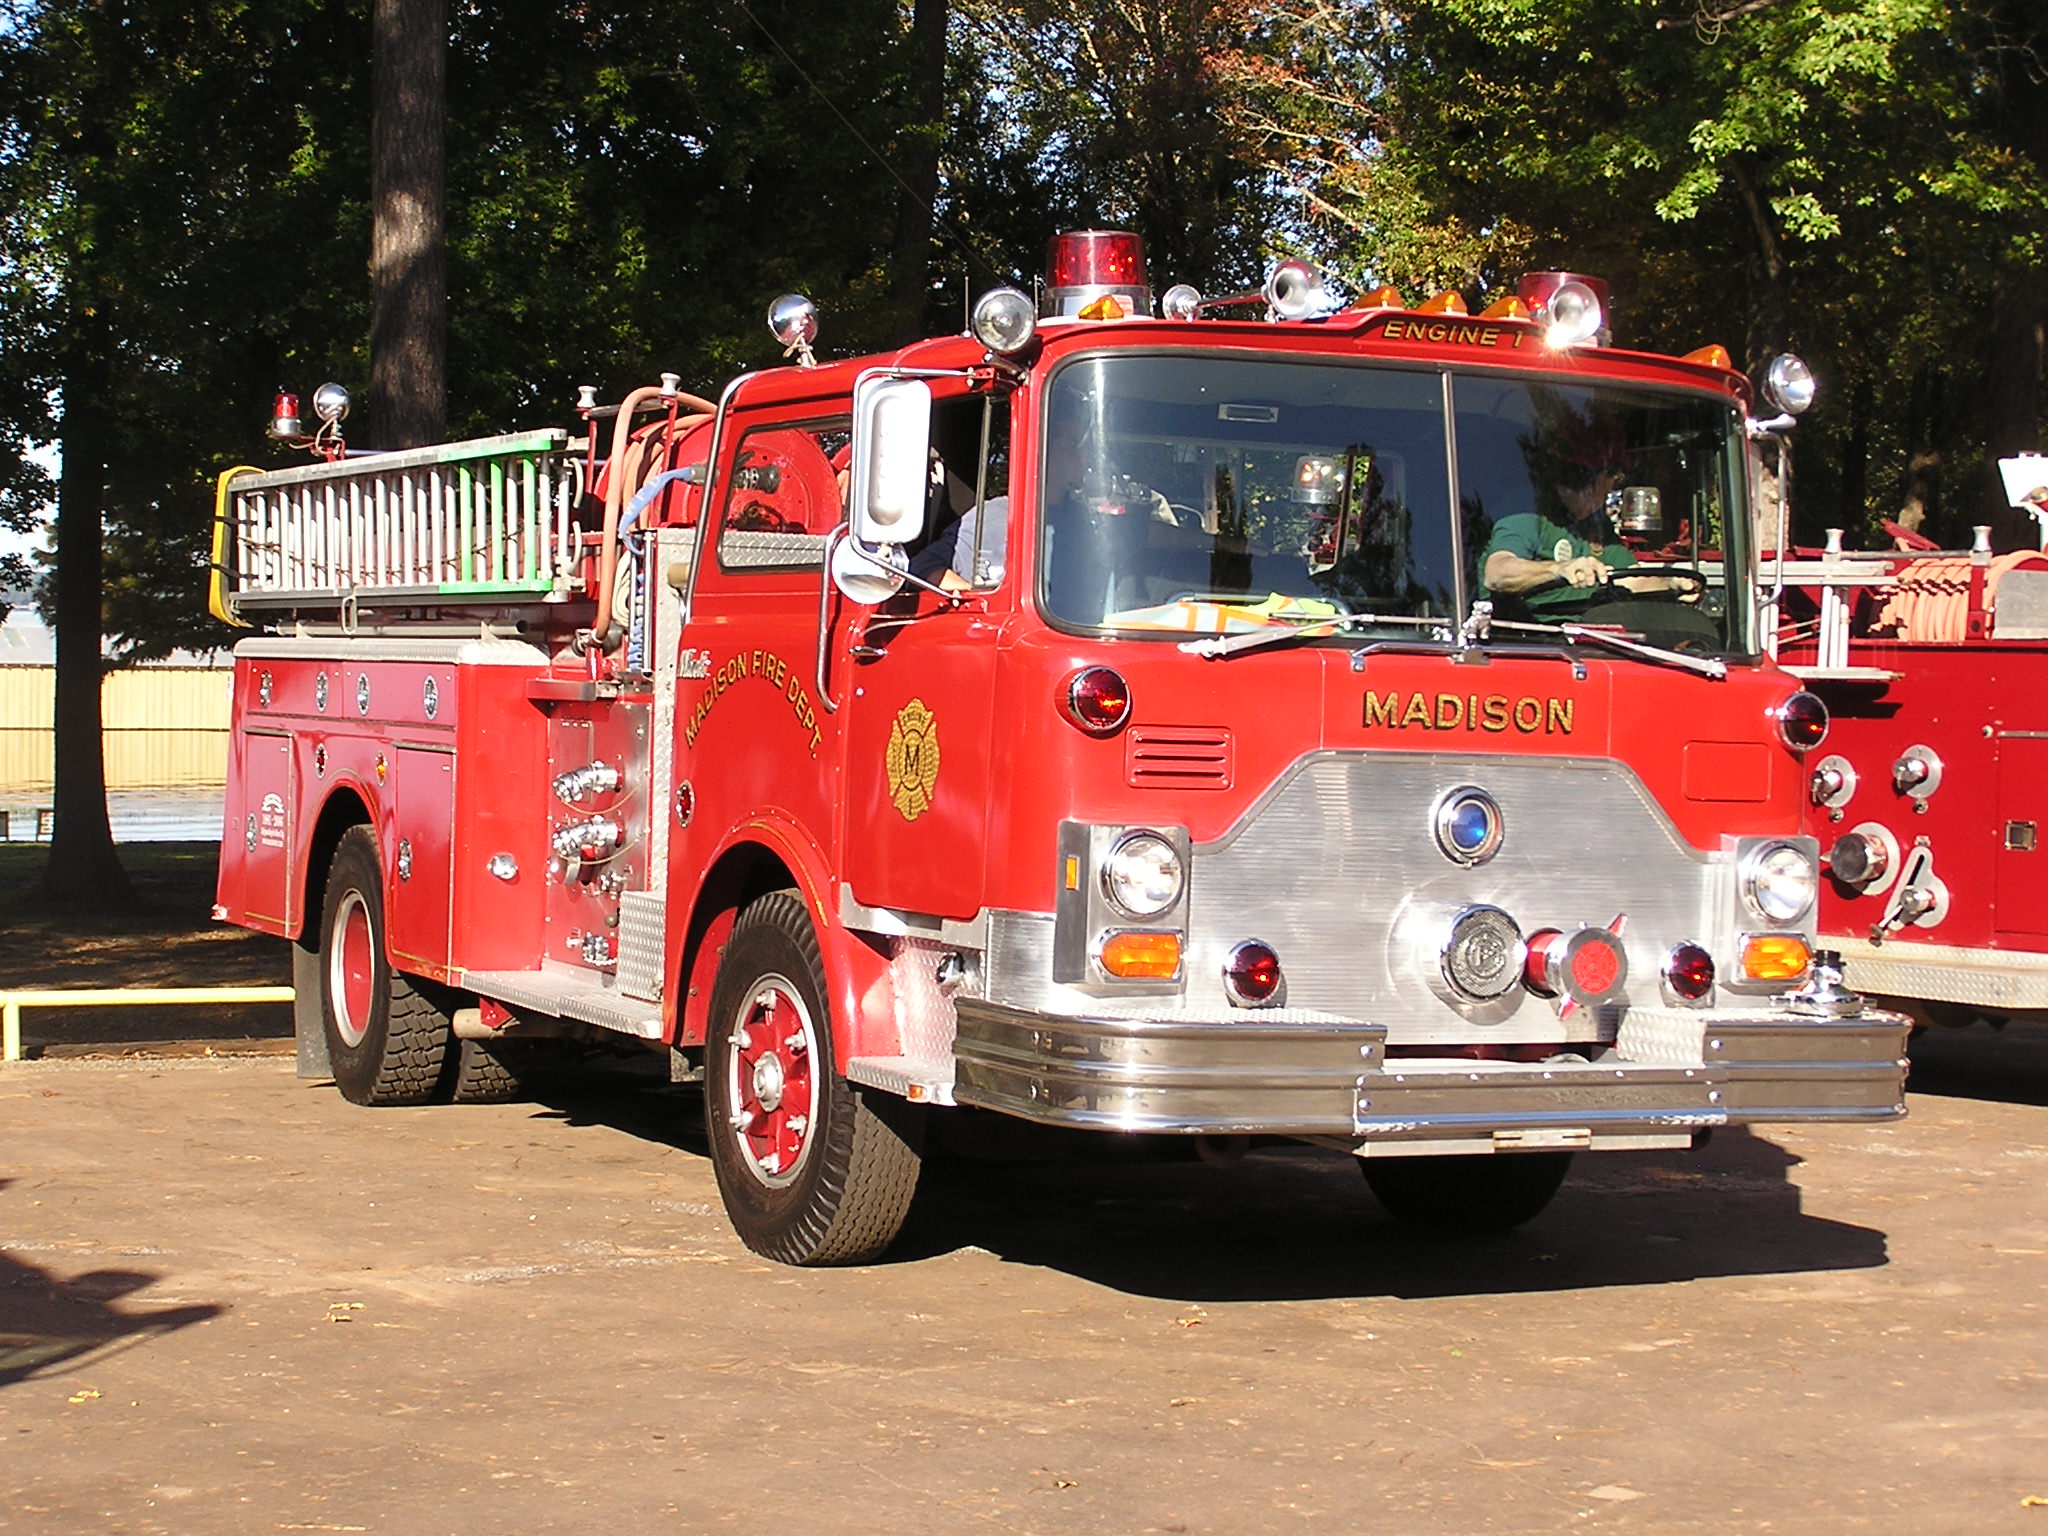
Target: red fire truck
1930,799
1268,718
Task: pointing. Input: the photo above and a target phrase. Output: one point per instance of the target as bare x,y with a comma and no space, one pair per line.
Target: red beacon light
1096,274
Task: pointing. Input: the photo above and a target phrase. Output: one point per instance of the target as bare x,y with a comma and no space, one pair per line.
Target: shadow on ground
49,1327
1290,1222
2004,1066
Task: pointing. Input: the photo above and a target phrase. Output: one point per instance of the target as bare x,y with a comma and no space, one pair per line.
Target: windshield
1210,495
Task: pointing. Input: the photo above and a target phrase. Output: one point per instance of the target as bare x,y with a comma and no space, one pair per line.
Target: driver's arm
1514,574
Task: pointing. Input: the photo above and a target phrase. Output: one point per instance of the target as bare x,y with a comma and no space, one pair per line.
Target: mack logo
1496,712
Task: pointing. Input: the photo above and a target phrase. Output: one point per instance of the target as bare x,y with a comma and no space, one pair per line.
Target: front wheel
1486,1192
813,1169
386,1041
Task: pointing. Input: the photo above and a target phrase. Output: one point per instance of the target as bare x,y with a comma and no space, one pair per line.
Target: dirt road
230,1302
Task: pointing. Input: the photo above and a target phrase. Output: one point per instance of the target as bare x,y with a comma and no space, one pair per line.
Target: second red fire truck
1932,796
1257,718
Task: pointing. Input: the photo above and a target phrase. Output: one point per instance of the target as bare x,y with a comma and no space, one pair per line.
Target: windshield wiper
1706,666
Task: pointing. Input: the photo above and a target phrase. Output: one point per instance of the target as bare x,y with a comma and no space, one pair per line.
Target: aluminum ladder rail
490,519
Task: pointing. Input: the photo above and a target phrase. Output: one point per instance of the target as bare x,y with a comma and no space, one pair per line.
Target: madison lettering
1469,712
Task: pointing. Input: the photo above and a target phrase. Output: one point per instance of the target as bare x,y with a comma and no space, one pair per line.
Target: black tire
386,1041
498,1071
1487,1192
813,1169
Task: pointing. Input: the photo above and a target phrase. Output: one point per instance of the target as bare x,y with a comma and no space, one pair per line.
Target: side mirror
891,473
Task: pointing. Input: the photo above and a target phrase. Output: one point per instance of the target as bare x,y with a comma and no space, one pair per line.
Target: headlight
1142,875
1778,882
1004,320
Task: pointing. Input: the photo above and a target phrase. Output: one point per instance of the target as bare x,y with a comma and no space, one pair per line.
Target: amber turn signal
1774,956
1136,954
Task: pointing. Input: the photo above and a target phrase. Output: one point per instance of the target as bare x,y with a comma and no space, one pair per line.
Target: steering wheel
1692,578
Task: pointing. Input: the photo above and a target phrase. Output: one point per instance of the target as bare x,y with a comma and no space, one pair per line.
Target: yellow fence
163,726
11,1003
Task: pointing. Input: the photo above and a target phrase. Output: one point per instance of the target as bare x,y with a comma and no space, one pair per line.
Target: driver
1557,559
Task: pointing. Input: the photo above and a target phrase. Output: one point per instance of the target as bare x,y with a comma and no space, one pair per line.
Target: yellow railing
11,1003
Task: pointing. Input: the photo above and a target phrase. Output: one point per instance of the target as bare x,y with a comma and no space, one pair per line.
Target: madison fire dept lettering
1495,712
772,669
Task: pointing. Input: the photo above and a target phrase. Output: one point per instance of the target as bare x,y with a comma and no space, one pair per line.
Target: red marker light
1689,972
1251,974
1097,700
1802,721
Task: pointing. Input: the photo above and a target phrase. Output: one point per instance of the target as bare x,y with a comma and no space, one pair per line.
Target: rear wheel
813,1169
499,1071
386,1041
1489,1192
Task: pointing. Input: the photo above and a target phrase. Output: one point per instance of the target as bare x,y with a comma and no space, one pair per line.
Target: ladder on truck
486,520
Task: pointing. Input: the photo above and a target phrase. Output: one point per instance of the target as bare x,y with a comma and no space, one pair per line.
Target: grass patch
167,939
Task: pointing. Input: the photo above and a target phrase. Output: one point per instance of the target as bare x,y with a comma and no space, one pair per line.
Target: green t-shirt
1535,536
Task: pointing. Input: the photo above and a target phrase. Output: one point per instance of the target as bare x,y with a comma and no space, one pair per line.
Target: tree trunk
1765,335
914,208
1853,507
2012,424
83,865
408,241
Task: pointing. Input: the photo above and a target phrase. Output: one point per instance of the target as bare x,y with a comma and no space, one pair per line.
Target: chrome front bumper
1293,1073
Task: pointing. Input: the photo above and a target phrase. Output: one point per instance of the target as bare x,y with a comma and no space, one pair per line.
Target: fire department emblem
913,759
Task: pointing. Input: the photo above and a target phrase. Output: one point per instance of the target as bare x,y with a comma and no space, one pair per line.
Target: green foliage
180,216
1859,180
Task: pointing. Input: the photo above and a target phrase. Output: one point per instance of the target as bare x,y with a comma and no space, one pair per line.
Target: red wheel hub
772,1081
352,973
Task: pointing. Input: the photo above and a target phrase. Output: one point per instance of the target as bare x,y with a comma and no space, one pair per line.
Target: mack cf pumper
1261,717
1932,796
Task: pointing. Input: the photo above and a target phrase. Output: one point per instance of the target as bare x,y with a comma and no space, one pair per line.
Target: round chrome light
1802,721
793,321
1468,826
1142,875
1004,320
1789,384
1251,974
1778,881
1574,314
330,402
1483,954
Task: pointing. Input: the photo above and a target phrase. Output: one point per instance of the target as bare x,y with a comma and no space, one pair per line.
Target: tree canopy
184,192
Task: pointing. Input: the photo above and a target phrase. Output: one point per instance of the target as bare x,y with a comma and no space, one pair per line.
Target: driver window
783,497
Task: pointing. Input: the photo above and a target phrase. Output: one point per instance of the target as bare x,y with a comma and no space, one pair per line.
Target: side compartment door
259,822
2020,837
421,852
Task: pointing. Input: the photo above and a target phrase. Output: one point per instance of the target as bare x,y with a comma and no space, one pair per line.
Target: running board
570,994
